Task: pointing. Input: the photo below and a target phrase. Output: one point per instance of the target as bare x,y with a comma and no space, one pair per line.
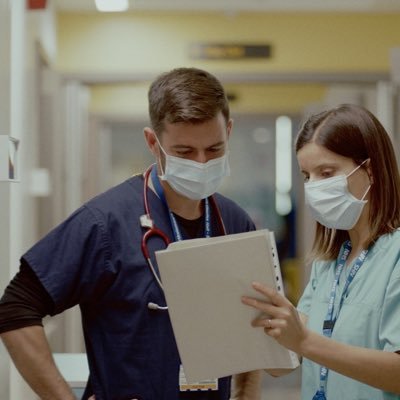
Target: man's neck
178,204
181,205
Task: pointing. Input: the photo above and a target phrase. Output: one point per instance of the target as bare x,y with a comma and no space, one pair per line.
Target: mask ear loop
356,168
165,153
366,192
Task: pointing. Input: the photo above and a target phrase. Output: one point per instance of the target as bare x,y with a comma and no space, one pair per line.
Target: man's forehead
209,133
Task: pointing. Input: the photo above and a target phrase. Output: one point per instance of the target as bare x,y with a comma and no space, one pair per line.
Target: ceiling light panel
112,5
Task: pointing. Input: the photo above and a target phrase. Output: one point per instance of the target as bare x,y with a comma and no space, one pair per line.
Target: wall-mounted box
39,182
8,158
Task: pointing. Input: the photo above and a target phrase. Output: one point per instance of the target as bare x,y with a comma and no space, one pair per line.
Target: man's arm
23,305
29,349
247,386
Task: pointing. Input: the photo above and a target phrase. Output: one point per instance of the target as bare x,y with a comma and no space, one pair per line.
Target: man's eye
216,149
183,153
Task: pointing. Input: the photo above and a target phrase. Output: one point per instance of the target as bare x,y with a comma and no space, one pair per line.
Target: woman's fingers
266,307
262,323
272,294
269,323
272,327
279,319
275,305
259,304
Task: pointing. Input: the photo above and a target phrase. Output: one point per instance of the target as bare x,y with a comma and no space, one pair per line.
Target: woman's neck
361,232
359,237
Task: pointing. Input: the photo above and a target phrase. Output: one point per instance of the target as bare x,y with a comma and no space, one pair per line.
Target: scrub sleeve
73,260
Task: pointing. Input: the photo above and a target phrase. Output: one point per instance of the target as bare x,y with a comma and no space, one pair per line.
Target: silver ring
269,324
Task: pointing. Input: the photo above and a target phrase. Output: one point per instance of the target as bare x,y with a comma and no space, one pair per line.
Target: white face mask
331,203
193,179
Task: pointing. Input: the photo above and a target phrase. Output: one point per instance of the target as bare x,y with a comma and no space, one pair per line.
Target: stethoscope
152,230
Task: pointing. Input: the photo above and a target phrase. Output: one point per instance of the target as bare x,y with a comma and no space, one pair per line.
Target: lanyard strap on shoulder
331,316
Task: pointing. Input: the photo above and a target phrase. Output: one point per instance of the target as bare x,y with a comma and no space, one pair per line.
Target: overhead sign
229,51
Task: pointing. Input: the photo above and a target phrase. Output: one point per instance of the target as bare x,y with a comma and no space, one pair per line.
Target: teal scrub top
370,315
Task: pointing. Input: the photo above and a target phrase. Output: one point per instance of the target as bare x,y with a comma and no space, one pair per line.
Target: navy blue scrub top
94,259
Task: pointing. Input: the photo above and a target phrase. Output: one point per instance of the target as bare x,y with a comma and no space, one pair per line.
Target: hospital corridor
100,170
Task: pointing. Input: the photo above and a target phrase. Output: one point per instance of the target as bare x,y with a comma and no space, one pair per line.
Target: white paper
204,280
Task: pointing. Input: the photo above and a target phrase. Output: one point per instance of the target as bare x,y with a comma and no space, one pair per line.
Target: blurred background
73,104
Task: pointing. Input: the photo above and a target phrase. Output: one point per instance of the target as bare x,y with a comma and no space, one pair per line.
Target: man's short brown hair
186,95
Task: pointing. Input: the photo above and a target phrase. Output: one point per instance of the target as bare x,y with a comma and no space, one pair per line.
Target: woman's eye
326,174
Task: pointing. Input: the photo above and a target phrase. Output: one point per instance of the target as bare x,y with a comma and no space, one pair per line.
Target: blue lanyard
174,223
331,317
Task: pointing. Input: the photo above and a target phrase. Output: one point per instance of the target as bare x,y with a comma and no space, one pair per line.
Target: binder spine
279,285
277,268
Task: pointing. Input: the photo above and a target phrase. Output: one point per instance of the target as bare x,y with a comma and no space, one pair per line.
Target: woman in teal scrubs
347,323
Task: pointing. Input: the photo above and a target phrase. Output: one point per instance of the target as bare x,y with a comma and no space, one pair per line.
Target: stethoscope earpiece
154,306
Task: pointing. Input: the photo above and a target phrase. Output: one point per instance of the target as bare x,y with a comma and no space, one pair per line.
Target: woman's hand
281,320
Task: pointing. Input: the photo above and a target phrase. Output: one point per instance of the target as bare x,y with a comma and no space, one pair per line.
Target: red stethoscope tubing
152,230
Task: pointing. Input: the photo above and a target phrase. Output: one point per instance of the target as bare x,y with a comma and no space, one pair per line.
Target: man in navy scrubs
95,259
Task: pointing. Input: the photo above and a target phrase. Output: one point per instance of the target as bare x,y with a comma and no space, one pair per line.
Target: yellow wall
131,100
149,43
119,100
126,43
274,98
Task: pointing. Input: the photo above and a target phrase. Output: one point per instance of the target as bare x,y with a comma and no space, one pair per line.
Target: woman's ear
369,170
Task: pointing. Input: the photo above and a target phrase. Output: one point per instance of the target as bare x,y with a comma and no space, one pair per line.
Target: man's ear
151,141
229,127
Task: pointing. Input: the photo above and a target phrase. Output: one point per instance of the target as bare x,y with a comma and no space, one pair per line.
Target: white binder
203,281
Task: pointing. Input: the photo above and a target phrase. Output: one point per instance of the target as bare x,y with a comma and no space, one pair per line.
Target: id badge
203,386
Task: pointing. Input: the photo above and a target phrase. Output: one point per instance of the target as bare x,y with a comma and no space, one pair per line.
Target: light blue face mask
193,179
331,203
